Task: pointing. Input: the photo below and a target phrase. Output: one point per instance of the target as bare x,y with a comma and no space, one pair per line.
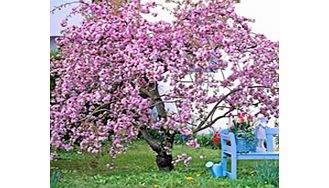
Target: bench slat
225,137
227,149
272,131
258,156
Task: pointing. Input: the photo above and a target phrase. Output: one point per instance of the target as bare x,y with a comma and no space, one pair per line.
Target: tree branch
151,141
215,107
212,122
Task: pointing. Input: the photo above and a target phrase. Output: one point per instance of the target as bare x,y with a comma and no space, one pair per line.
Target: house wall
53,45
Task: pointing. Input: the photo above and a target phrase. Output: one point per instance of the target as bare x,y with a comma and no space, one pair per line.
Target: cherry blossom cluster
113,62
193,143
183,157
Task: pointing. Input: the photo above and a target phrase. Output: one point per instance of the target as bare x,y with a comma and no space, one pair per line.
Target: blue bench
230,151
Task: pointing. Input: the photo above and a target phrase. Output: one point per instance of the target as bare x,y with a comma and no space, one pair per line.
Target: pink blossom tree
113,64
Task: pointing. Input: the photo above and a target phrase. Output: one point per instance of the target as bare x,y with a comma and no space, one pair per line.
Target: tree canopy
112,65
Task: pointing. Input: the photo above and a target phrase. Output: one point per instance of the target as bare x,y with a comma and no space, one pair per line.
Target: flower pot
244,146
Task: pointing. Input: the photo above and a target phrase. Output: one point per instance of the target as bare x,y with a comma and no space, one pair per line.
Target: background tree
115,62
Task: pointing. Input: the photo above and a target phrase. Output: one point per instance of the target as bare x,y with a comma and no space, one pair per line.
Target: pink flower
154,14
145,11
63,23
186,132
187,161
193,143
150,4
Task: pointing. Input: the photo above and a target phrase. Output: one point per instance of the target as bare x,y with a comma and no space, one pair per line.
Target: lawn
137,168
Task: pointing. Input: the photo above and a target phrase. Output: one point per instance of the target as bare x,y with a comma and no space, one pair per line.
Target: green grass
137,168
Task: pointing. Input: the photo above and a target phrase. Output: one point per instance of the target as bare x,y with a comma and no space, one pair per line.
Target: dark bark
164,157
163,150
163,161
152,142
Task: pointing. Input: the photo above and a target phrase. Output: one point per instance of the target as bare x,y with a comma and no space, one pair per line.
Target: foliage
268,172
90,170
54,56
54,179
114,62
155,134
100,179
206,140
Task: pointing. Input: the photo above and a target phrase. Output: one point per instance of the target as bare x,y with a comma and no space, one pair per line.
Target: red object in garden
216,138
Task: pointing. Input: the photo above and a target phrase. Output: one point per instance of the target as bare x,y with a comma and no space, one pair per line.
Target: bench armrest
225,136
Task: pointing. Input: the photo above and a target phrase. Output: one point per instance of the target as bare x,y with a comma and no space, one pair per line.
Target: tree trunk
163,149
164,161
164,157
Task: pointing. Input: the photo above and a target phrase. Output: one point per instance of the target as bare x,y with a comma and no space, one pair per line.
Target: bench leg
234,167
224,163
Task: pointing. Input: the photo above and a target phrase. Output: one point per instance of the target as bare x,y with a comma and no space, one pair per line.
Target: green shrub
155,134
54,179
207,141
268,172
54,56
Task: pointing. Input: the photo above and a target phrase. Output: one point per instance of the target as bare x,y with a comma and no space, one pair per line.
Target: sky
265,12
